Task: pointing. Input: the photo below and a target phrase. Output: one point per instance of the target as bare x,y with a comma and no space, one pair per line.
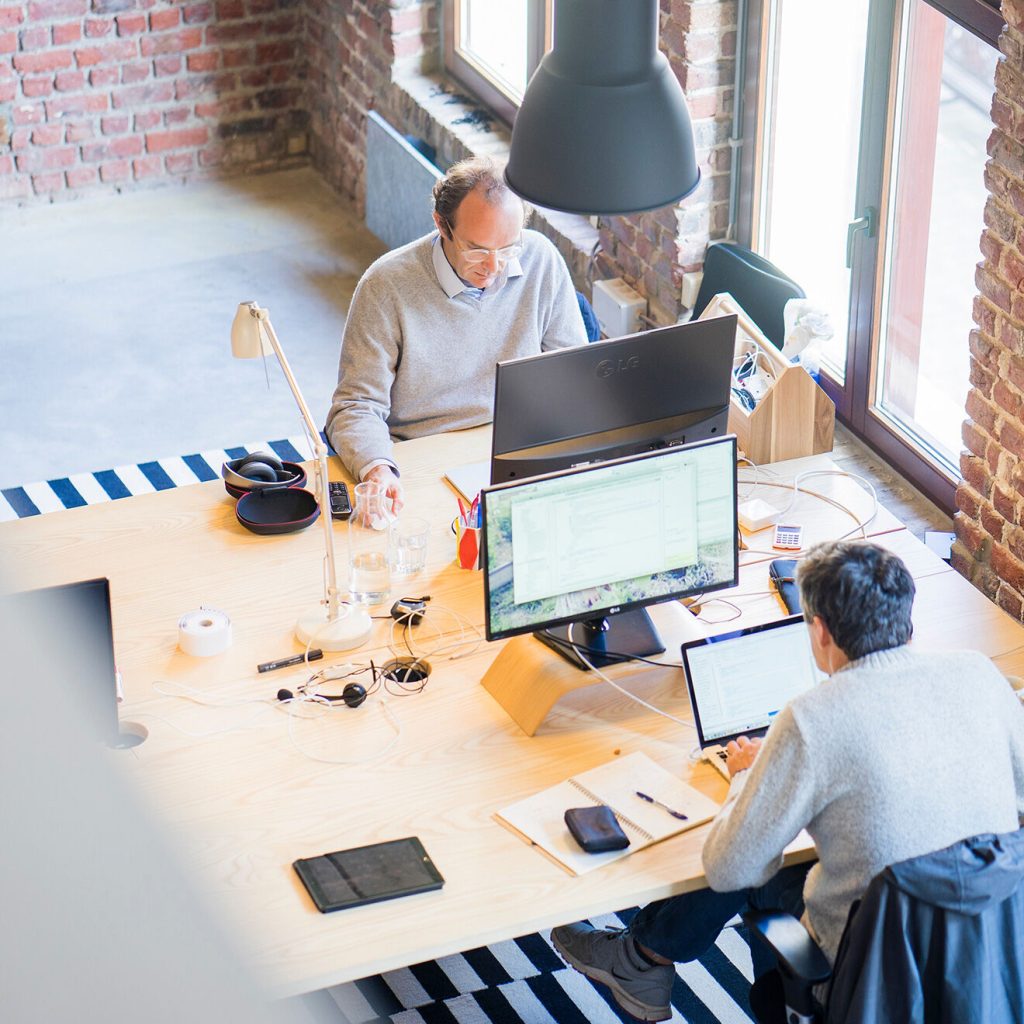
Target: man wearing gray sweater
429,321
880,763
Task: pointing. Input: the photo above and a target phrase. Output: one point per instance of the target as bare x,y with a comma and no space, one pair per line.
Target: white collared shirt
452,284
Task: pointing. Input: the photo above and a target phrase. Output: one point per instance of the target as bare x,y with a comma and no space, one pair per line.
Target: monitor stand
628,633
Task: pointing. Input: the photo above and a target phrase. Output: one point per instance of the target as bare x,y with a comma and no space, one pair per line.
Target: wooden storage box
794,417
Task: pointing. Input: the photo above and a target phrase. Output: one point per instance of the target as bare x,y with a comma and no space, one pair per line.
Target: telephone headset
264,467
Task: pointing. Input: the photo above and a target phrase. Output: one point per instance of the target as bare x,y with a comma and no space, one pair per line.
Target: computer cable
623,690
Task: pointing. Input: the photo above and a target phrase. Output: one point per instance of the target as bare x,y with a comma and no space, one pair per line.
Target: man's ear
820,632
442,226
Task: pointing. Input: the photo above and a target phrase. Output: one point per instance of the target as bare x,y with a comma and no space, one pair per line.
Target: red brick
228,10
1012,268
138,71
236,32
8,90
147,166
36,63
146,120
179,115
47,135
158,142
236,56
9,42
49,10
21,138
119,171
271,53
81,177
160,21
118,50
69,32
137,95
90,103
34,39
10,15
195,13
79,131
130,24
975,472
172,42
101,78
70,81
47,159
116,124
206,61
6,164
967,501
46,183
33,87
180,163
96,28
169,64
28,113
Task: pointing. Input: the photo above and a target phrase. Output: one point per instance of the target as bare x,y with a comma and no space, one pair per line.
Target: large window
493,47
867,187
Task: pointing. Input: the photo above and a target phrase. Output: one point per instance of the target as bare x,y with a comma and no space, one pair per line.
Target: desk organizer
794,417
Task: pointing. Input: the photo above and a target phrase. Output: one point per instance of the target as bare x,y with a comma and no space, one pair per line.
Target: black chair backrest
754,282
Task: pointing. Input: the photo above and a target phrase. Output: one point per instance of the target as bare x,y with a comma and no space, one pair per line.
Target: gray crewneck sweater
415,362
898,754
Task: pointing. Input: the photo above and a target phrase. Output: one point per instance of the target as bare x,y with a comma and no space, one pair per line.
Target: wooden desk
245,804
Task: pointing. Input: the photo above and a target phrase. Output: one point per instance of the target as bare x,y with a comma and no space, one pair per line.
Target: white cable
861,524
388,714
624,692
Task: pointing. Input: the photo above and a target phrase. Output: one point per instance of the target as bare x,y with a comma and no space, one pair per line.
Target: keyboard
716,757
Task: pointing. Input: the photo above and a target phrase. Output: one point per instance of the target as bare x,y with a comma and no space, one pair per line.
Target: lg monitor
592,403
593,545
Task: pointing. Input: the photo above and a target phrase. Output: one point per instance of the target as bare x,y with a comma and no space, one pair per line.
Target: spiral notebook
540,819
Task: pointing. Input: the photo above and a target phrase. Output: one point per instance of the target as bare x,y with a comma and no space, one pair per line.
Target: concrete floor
116,318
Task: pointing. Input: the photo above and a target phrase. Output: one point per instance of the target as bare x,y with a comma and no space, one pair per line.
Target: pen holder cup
467,544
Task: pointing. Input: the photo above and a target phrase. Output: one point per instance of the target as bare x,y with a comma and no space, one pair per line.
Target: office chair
754,282
590,324
937,938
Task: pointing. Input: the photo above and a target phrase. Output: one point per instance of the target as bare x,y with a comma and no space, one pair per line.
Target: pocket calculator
787,538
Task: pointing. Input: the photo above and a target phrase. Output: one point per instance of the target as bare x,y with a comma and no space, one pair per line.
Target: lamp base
350,629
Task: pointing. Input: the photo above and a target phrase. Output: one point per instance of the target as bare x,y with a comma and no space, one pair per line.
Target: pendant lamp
603,127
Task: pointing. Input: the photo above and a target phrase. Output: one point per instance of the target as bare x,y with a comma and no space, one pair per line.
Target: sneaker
609,956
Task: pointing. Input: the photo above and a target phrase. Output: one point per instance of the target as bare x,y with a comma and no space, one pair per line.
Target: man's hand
386,476
741,753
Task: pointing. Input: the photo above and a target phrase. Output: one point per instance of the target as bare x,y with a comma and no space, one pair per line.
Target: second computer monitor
611,399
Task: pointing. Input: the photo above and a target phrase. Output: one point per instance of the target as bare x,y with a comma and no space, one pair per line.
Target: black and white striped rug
517,982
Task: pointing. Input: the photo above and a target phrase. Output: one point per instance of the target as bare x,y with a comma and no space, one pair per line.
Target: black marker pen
296,659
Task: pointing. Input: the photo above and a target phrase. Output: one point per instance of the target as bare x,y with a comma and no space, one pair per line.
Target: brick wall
989,524
653,250
109,93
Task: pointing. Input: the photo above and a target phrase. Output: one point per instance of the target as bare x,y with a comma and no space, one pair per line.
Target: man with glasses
429,321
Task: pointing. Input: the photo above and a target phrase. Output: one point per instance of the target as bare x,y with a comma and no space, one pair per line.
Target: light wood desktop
242,805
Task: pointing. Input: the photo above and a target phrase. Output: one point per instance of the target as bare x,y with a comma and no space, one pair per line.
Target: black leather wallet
782,573
596,829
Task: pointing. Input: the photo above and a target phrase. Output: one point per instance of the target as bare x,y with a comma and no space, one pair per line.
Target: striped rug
518,982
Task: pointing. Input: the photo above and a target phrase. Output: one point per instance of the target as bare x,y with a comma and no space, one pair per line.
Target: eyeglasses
474,256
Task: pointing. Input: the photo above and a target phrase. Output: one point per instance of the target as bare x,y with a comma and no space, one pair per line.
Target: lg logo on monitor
607,367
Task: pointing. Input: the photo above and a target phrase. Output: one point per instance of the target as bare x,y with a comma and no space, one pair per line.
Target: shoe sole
641,1011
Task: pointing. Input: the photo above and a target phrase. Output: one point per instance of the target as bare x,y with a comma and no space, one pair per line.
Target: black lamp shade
603,127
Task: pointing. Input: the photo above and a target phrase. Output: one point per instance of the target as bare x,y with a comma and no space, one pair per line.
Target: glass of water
370,541
409,545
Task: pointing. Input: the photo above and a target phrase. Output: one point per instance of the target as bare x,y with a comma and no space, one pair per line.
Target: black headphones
263,467
352,695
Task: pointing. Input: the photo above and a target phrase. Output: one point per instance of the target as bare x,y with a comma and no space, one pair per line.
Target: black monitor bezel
617,402
598,612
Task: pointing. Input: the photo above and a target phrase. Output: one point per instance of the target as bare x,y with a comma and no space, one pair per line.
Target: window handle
868,223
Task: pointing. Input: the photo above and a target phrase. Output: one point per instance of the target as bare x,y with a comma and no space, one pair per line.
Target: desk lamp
603,127
331,625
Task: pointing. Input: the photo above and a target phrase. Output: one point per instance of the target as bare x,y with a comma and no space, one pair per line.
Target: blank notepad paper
540,819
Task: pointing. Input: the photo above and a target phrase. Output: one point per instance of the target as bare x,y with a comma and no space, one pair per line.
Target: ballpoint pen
664,807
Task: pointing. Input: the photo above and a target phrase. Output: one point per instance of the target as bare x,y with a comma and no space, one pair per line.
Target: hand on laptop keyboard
741,753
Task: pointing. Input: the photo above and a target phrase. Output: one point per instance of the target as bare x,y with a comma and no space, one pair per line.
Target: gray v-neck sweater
898,754
416,362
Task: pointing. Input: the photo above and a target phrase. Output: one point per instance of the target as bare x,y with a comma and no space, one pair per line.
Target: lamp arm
320,455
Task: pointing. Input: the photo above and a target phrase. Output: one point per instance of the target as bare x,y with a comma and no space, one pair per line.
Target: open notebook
540,819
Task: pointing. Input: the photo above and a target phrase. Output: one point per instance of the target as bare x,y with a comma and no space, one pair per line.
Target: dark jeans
683,928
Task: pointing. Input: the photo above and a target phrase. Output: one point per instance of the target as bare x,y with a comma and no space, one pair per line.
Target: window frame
472,75
854,396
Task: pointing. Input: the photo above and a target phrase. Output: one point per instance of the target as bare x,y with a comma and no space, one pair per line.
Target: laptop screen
739,681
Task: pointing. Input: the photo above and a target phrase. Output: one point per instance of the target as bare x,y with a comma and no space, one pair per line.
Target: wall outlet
617,307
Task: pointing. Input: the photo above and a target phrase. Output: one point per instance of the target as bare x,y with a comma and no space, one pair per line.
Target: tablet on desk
368,874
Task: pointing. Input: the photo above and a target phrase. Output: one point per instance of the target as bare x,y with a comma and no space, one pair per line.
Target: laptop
739,681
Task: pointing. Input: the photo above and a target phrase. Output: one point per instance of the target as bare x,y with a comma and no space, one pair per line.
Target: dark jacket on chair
948,928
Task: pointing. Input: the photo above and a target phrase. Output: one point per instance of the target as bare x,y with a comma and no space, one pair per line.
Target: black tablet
368,874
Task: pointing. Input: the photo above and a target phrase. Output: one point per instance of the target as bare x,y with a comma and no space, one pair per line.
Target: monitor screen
611,399
582,544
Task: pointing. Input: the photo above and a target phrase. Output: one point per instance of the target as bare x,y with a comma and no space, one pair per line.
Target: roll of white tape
204,632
